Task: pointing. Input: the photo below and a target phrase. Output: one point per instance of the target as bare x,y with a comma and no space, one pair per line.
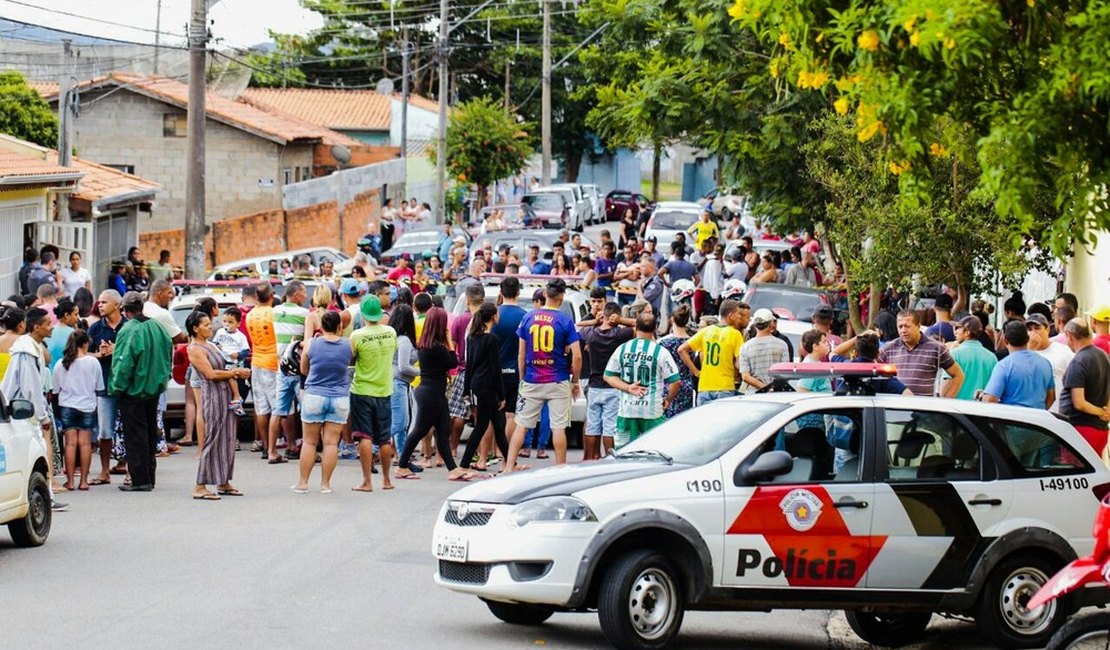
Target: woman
768,272
76,380
420,279
66,311
321,304
116,278
483,381
14,321
75,276
684,400
388,224
217,457
628,227
437,357
561,266
404,373
194,415
435,269
327,400
88,311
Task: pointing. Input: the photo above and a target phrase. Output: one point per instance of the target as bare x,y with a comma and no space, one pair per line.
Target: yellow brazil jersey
419,320
703,230
719,348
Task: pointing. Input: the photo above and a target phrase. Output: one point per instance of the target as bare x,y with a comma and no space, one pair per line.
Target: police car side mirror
21,409
768,465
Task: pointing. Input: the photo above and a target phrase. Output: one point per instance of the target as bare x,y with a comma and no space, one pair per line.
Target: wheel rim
1017,590
38,507
1098,640
652,603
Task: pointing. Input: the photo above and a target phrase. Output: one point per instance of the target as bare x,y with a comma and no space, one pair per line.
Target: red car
617,201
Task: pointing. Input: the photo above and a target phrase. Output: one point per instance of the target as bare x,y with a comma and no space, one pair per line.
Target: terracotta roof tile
100,184
15,167
44,88
335,109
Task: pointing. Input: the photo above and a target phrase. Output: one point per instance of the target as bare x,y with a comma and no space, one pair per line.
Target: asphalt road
277,569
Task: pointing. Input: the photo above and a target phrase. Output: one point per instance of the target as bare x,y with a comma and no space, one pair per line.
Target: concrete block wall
357,214
316,225
251,235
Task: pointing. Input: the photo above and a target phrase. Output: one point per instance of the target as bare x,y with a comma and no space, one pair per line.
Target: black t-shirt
435,363
1089,370
102,332
483,365
600,344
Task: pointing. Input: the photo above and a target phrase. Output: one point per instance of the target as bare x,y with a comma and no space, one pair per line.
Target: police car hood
561,480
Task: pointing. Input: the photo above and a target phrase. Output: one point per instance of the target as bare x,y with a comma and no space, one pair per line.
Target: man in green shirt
140,370
976,361
373,346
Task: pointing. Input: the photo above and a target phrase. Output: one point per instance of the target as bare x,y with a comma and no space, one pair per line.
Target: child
232,343
76,381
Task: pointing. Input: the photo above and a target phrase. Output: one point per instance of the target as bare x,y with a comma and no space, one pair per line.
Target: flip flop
520,467
542,455
83,488
406,477
100,481
387,487
234,492
326,490
299,490
186,443
118,471
277,461
207,496
360,489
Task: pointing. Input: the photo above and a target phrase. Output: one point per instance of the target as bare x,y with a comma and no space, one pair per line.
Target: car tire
1001,615
726,214
518,613
640,602
34,528
893,630
1092,630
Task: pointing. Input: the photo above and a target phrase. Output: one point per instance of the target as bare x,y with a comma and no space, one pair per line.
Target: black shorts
511,382
371,418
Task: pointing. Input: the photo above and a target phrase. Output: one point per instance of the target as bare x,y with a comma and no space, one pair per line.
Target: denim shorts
601,411
317,408
71,418
106,414
286,396
707,396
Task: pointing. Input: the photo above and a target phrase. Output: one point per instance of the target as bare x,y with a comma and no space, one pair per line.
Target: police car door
940,500
12,457
810,527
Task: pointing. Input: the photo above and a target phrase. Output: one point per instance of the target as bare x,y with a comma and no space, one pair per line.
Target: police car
889,507
24,490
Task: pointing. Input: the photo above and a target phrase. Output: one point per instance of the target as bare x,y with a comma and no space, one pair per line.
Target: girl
483,381
321,304
68,317
561,267
77,378
327,401
404,373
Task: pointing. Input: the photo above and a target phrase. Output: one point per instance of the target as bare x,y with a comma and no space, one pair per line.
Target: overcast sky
239,23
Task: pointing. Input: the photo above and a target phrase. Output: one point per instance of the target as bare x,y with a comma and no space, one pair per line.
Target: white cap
763,317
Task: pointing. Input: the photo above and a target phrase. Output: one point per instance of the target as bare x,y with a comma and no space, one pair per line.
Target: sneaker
240,412
348,452
492,459
258,446
58,506
281,443
235,405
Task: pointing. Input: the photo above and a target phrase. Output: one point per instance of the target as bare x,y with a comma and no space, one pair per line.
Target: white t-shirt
76,388
229,342
74,280
1059,355
163,316
712,276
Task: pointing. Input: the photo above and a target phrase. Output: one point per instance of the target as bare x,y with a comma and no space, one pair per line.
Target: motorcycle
1093,630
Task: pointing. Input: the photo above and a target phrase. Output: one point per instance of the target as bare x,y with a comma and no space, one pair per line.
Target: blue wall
699,178
620,171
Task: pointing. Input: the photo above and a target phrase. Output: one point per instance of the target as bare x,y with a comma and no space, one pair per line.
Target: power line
96,20
84,35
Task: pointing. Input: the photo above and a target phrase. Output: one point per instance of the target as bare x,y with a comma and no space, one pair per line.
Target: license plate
451,548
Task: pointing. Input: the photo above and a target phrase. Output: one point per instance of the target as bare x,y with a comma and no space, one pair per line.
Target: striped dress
217,458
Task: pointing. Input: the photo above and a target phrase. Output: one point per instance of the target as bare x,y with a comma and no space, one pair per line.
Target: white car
572,197
597,202
24,490
917,506
259,266
665,223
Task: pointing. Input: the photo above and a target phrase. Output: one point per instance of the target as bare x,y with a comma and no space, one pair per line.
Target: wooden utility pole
441,149
194,180
545,131
157,37
508,73
406,56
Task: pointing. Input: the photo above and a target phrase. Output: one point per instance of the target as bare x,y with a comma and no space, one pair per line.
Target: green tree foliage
484,144
24,114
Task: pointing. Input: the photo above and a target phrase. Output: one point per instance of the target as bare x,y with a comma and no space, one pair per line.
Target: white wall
423,124
1088,274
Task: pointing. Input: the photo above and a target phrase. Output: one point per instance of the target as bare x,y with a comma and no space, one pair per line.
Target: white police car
917,505
24,491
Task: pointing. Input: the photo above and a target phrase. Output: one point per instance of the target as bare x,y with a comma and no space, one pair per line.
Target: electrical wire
96,20
84,35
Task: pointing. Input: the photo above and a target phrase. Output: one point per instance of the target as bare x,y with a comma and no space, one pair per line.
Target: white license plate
451,548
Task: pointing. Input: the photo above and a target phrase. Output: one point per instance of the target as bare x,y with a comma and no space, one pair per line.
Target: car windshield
673,220
552,202
420,238
702,434
801,305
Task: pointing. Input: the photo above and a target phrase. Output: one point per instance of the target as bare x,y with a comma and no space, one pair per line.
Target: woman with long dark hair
77,377
436,358
483,380
404,373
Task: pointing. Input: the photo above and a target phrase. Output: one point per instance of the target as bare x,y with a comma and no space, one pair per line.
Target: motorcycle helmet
681,290
733,289
364,245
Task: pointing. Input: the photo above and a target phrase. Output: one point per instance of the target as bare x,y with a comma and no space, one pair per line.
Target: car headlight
550,509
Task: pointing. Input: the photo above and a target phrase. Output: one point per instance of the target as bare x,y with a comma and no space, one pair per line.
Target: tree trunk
656,154
573,162
479,203
876,303
853,306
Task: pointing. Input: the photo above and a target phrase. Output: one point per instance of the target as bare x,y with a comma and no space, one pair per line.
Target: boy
232,343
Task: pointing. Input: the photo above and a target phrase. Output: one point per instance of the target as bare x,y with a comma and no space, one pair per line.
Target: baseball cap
349,287
823,311
1036,319
132,299
371,308
460,240
1101,313
557,285
762,317
405,256
943,301
970,323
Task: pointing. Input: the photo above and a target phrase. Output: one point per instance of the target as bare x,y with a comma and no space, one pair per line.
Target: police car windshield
702,434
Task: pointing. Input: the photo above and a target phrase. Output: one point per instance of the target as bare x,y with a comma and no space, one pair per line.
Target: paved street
274,569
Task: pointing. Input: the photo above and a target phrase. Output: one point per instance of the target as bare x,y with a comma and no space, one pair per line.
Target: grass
667,191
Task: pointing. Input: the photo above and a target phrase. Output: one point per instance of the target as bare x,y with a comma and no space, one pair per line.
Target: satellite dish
385,86
341,154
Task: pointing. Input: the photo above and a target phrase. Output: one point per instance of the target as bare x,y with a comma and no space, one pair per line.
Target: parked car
582,205
514,215
521,241
259,266
575,205
596,202
24,490
617,201
761,246
552,209
726,203
415,242
787,301
664,224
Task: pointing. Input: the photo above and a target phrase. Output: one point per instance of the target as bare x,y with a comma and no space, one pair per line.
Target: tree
484,144
23,112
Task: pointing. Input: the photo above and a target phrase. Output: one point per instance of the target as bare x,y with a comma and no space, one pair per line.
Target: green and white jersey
648,363
288,325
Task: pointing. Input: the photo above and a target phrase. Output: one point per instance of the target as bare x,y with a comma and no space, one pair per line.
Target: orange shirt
260,328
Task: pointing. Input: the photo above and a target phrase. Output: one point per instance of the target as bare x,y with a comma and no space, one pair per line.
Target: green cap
371,309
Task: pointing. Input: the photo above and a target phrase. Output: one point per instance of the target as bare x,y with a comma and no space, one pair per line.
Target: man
976,361
640,369
919,359
606,266
46,298
1059,356
547,337
30,263
457,268
43,274
677,268
289,318
458,403
509,315
156,308
1060,317
719,347
163,270
942,329
1023,378
535,263
803,274
627,276
472,279
264,369
650,248
249,301
784,338
401,273
372,346
1065,299
703,229
1100,323
603,398
759,354
1085,401
140,369
102,342
651,285
866,348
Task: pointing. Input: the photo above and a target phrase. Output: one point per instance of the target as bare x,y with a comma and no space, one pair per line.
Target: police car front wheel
34,527
1002,613
641,603
888,629
518,614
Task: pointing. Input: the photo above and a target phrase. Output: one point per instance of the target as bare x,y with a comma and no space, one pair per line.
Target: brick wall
316,225
151,243
252,235
358,213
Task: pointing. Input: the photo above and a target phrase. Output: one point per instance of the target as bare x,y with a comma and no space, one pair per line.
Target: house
137,124
27,188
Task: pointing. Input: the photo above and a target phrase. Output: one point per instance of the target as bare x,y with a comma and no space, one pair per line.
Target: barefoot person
327,400
372,347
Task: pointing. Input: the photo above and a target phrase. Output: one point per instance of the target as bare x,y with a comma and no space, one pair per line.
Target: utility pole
157,36
65,145
508,69
194,180
545,131
441,149
406,55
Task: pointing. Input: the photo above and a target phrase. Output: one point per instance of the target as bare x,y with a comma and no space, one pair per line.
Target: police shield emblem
801,508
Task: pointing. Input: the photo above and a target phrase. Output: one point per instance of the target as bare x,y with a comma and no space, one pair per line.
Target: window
174,125
297,175
825,446
287,176
923,445
1032,451
306,173
126,169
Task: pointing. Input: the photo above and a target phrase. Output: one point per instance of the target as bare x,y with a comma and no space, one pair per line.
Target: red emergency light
834,370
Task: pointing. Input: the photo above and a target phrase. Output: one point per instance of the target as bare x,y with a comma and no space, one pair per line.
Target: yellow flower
868,40
814,80
774,69
1031,3
738,10
950,43
915,39
908,25
869,131
784,40
938,150
898,168
841,106
820,36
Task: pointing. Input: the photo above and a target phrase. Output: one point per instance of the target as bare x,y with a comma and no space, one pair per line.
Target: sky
237,23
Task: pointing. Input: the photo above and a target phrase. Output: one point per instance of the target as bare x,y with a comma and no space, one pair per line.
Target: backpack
180,362
290,364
